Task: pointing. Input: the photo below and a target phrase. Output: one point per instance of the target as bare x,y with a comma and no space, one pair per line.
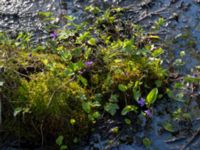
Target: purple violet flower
81,71
54,35
141,102
148,113
89,63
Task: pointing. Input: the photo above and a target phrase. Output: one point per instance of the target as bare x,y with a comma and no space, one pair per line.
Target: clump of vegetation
104,64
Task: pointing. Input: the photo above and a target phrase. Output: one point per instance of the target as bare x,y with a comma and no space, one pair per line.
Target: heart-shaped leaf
59,140
86,107
111,108
122,87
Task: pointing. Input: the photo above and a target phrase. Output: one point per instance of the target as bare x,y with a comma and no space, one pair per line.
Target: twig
172,140
42,135
35,127
152,13
192,139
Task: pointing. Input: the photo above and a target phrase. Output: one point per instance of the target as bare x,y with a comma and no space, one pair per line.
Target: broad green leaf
96,115
168,127
128,45
86,107
157,52
128,109
113,98
122,87
152,96
111,108
59,140
84,36
127,121
72,121
146,142
158,83
92,41
66,55
115,130
63,147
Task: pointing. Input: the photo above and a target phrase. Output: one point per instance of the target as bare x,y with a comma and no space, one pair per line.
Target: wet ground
180,32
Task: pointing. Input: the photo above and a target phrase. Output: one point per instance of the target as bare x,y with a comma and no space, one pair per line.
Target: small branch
176,139
152,13
42,135
192,139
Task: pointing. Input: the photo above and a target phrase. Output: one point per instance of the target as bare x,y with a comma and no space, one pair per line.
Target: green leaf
154,37
86,107
168,127
92,41
72,121
17,111
70,18
63,147
83,36
115,130
95,104
96,115
157,52
128,109
146,142
66,55
127,121
59,140
152,96
122,87
111,108
92,9
191,79
1,83
113,98
44,14
136,94
83,80
158,83
128,45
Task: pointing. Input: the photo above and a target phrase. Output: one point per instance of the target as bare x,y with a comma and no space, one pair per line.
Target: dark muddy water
180,33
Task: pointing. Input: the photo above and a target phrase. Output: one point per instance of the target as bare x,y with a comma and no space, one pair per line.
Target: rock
197,1
22,14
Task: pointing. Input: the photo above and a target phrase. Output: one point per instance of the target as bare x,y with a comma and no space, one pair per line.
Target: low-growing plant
103,64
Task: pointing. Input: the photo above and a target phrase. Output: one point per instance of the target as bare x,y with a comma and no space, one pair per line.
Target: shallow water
181,32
